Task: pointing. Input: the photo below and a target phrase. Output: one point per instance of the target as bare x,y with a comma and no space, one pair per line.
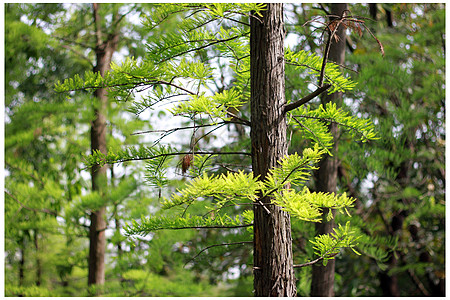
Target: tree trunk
38,260
322,283
104,51
22,262
273,262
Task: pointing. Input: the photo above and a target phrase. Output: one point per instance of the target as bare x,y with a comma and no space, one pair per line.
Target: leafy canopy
173,71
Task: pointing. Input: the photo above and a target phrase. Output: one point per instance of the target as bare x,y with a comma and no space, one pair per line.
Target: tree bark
322,283
97,239
273,261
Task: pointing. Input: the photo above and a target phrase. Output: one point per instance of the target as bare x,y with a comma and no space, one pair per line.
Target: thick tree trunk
273,262
322,284
104,51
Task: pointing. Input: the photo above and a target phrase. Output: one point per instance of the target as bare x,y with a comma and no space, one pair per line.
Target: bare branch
206,227
313,261
306,99
217,245
180,153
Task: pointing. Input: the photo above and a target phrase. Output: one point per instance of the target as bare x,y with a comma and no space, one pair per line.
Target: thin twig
265,208
197,227
217,245
313,261
44,210
306,99
310,131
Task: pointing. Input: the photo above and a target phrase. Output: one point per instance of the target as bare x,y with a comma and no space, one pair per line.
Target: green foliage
30,291
313,124
94,200
230,187
308,206
214,106
128,154
294,169
148,224
327,246
306,60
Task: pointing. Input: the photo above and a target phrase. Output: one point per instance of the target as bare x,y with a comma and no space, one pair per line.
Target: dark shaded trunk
373,10
97,239
38,260
116,214
22,262
389,283
322,283
273,261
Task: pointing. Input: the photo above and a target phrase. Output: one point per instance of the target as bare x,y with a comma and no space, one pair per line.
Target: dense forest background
397,179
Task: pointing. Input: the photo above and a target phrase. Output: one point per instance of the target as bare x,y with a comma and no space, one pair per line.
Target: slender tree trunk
273,262
104,51
22,262
38,260
116,214
322,283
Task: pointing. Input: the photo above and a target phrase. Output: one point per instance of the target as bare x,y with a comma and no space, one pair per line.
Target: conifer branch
331,34
169,131
217,245
312,132
71,41
306,99
81,55
44,210
314,261
177,153
333,121
205,227
200,47
41,183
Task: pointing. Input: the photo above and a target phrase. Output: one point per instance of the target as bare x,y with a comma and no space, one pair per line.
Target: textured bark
97,239
322,283
273,262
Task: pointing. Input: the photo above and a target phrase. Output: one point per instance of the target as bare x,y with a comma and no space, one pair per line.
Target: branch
195,227
81,55
306,99
217,245
327,51
44,210
418,283
70,41
330,121
312,132
180,153
169,131
199,48
41,183
313,261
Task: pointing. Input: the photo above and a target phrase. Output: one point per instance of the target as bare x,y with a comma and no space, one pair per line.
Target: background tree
322,282
400,181
35,127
